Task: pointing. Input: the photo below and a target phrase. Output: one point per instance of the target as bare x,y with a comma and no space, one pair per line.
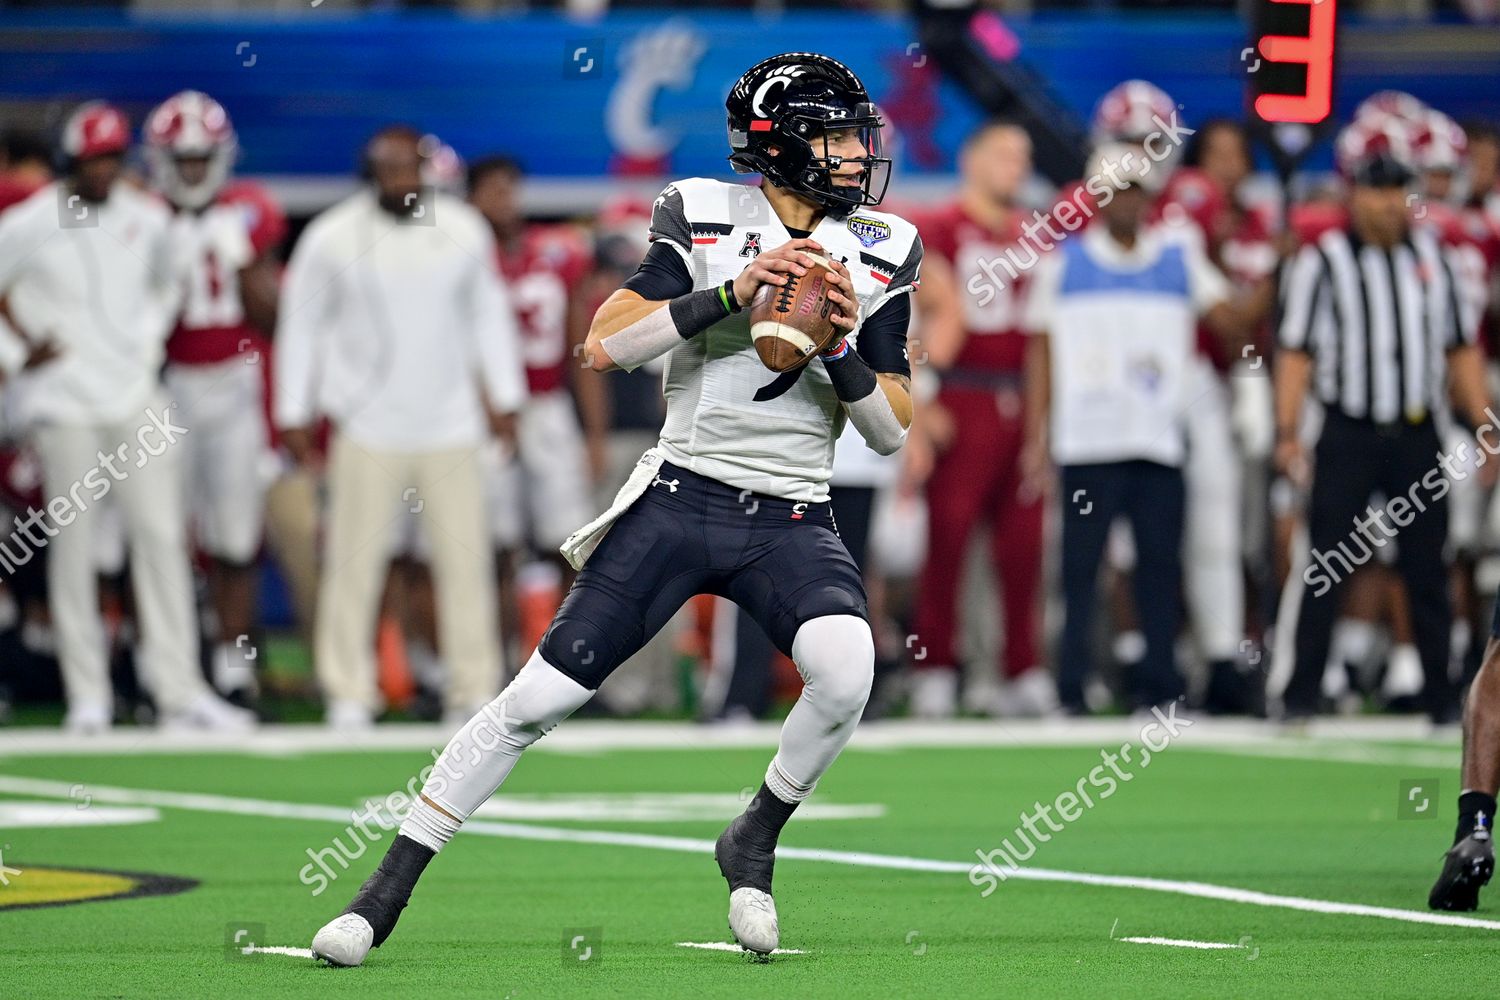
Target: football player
979,351
733,500
225,234
544,494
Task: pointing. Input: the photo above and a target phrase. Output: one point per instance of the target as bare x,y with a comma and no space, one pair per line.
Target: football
792,322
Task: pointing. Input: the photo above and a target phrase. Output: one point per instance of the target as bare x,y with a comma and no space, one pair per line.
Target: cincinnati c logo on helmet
780,80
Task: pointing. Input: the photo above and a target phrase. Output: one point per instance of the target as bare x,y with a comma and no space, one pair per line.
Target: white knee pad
836,656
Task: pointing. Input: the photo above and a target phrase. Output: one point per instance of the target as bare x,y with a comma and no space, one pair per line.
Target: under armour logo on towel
670,484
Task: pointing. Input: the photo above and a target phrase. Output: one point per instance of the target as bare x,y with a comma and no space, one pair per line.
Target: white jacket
98,282
391,329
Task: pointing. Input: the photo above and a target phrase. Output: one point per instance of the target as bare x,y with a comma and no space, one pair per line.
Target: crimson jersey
994,302
1471,238
243,224
543,271
1191,197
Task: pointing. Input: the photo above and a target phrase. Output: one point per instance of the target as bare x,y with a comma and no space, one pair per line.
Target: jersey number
541,302
213,295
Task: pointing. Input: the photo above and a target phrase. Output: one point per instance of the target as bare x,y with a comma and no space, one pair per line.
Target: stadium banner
640,94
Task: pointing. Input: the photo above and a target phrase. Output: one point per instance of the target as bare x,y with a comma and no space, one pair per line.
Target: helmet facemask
167,174
822,175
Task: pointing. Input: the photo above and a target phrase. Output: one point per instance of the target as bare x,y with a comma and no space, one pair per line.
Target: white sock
481,754
836,657
783,787
429,827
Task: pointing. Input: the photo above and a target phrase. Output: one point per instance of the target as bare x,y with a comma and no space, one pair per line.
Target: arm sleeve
497,339
1301,290
882,339
307,295
661,276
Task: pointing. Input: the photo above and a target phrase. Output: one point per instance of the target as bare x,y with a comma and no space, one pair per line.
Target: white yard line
520,831
276,949
726,946
1181,943
586,736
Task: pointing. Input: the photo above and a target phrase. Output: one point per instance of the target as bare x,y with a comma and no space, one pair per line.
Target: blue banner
639,93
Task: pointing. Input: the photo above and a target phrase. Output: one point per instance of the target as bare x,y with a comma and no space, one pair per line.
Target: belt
676,477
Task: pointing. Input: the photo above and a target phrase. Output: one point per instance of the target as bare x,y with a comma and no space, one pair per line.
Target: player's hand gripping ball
805,312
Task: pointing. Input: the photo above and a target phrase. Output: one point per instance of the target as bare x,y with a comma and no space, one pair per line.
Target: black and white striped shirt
1378,323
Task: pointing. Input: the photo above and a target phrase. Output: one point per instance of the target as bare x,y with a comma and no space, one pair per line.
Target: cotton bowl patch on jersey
869,231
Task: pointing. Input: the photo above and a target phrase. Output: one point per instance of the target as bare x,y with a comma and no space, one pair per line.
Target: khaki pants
368,492
147,489
292,516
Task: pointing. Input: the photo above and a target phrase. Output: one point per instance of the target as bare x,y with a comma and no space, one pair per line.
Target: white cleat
348,717
345,940
212,713
752,917
1033,695
87,719
934,693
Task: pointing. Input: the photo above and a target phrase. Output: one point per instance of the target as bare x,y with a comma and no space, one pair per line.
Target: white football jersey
728,416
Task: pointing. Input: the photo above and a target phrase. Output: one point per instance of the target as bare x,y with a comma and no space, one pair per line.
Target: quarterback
733,500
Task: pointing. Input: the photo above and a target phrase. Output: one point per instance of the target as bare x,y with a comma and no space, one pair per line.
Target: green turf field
604,851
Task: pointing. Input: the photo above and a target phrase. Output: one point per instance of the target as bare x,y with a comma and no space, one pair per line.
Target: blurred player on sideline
225,234
395,324
1231,433
86,264
539,498
978,348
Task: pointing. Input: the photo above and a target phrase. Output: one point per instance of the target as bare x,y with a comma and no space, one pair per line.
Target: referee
1371,324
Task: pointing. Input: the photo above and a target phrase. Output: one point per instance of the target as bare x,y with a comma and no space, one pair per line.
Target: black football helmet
791,102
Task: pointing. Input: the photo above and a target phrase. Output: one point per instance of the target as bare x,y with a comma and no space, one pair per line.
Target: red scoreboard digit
1296,41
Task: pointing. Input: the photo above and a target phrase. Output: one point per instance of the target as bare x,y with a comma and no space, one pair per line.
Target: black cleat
747,867
372,914
1467,867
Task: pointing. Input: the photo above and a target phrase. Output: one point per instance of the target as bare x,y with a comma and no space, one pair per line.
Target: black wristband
697,311
853,379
